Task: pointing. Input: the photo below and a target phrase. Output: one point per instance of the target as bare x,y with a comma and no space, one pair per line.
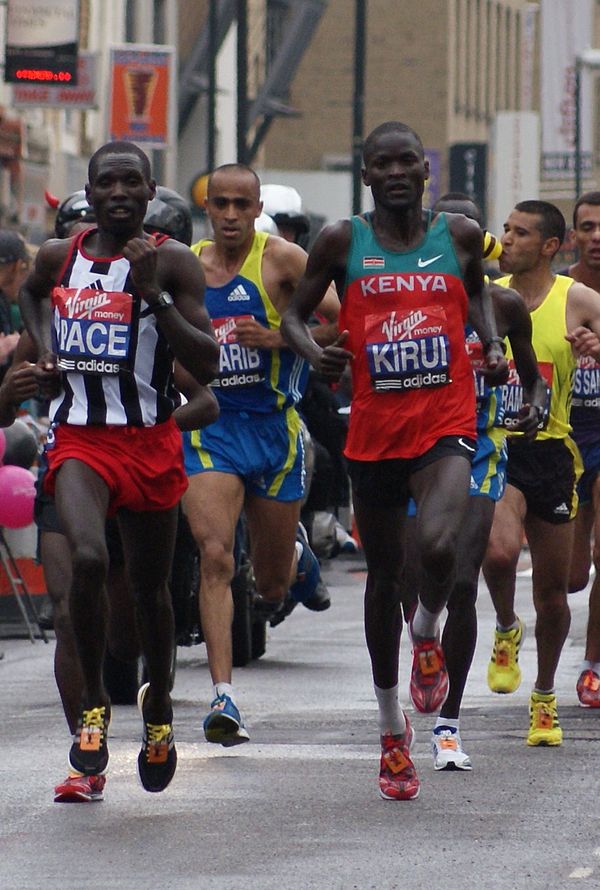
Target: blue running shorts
265,450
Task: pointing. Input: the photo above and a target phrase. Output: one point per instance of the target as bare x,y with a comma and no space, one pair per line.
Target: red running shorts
142,466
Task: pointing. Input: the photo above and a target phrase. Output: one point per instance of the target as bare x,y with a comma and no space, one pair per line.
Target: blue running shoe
308,588
224,724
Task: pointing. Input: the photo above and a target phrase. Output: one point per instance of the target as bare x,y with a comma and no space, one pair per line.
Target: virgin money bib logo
92,329
408,350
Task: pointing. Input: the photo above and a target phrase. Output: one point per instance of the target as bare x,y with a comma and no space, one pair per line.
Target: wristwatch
165,300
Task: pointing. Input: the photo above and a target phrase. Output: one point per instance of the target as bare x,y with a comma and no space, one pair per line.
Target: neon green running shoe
544,728
504,673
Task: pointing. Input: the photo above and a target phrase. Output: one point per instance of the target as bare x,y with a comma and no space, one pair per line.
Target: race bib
92,329
238,365
586,383
512,394
477,360
408,349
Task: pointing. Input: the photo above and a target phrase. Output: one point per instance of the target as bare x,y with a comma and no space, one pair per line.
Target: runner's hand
584,342
21,383
143,258
495,367
253,335
334,358
48,375
528,421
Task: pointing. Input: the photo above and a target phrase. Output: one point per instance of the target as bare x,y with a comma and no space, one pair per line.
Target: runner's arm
517,321
326,264
172,267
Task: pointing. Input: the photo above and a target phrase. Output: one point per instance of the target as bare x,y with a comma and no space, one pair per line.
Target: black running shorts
544,472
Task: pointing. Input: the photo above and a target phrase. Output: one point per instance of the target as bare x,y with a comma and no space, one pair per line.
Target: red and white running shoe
428,687
397,775
80,789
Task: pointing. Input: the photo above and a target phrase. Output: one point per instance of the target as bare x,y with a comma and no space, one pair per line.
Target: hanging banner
42,41
140,94
566,28
468,172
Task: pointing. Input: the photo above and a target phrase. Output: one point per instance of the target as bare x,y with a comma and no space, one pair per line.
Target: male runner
408,280
540,496
488,480
585,420
106,328
252,457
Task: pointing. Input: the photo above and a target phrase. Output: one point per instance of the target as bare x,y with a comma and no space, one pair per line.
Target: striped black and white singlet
117,366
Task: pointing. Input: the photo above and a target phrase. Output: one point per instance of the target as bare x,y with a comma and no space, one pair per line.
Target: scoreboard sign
42,41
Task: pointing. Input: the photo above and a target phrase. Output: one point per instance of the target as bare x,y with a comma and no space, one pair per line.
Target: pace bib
92,330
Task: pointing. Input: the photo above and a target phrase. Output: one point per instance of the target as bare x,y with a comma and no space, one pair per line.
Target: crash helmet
169,214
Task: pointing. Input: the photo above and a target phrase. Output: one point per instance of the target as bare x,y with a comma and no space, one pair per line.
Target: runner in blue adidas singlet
252,456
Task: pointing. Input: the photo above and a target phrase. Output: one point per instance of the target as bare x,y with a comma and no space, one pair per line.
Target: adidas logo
562,509
238,294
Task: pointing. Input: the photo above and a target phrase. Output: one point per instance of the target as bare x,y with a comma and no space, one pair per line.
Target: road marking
265,751
583,872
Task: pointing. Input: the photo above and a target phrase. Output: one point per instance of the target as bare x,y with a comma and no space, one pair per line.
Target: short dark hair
459,198
118,147
587,198
231,168
382,130
552,222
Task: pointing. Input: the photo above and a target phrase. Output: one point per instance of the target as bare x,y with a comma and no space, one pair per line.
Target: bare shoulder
175,258
51,256
509,308
464,231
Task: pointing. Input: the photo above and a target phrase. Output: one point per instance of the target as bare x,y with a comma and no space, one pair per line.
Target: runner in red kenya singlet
408,278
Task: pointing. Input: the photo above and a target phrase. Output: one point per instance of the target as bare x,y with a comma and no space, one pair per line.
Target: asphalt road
298,807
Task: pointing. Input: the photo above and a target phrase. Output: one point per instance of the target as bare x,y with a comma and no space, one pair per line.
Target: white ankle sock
391,716
224,689
424,624
513,626
447,721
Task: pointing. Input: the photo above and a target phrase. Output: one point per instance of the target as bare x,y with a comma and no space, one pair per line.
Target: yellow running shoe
504,673
544,728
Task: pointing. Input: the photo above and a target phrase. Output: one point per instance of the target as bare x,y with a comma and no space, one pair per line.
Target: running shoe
544,728
223,724
308,588
588,689
447,749
89,751
398,778
504,673
80,789
428,686
157,759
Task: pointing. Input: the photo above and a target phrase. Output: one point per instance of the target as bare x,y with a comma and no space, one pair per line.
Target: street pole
211,148
577,128
242,80
358,121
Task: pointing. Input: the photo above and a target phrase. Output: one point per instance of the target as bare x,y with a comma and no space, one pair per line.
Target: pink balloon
17,494
2,444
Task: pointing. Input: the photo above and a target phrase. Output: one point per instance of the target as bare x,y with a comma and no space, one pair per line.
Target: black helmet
169,214
73,209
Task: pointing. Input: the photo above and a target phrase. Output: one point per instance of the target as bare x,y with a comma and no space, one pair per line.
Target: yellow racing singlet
555,359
